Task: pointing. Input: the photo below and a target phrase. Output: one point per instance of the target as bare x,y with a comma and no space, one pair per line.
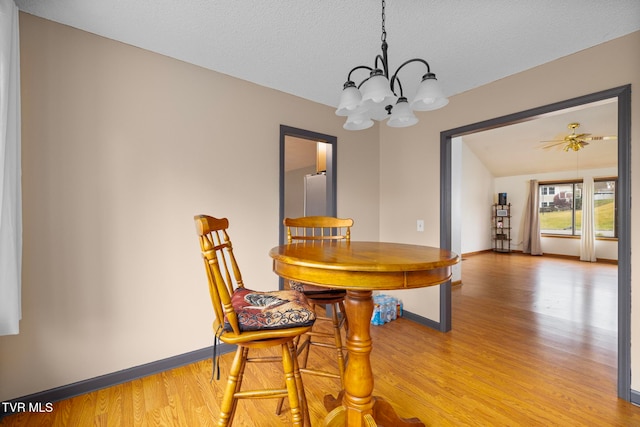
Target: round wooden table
360,268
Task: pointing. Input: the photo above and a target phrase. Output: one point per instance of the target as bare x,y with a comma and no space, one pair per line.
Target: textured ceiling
307,47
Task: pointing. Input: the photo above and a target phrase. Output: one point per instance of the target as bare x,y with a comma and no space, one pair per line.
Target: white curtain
10,171
588,239
531,242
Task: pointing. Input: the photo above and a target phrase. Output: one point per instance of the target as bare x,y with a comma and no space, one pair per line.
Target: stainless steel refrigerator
315,194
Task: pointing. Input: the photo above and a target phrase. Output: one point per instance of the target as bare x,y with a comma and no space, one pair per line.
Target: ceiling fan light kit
576,142
375,98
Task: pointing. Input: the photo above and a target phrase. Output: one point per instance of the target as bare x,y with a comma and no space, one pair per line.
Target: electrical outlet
420,226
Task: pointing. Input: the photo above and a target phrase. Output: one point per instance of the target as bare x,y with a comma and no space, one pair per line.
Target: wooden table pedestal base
383,414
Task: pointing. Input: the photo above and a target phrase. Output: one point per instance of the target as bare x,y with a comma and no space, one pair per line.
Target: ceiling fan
576,142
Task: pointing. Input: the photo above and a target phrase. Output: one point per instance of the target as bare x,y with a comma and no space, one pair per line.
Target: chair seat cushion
270,310
312,290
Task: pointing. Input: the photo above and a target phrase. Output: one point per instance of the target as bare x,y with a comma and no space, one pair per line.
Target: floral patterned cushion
312,290
270,310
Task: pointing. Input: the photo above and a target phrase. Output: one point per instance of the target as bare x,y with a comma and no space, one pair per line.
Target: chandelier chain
384,31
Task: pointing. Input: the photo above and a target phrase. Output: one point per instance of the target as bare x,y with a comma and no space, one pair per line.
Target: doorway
623,95
305,154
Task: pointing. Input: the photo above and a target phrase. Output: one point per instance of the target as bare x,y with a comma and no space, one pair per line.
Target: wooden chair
322,228
252,320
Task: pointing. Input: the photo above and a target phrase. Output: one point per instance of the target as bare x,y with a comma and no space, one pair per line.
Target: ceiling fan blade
580,136
555,140
555,144
600,138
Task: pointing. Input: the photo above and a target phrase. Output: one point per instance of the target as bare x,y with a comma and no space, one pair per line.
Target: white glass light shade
349,99
376,90
401,115
429,95
358,121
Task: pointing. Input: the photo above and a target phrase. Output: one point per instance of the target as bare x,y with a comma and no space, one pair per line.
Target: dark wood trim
445,225
624,241
422,320
623,94
332,167
119,377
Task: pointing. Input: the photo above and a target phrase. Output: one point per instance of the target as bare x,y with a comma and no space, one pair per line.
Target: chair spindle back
222,269
316,228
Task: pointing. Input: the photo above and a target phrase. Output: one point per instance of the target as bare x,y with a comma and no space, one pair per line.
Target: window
605,201
561,208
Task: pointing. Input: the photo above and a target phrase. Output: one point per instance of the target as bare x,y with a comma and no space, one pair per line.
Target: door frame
332,168
623,94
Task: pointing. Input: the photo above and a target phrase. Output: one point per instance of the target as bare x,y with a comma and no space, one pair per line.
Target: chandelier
375,98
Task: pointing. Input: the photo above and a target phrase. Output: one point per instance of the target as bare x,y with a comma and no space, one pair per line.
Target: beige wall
410,157
121,147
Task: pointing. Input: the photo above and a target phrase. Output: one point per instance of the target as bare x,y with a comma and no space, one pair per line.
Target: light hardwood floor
533,344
